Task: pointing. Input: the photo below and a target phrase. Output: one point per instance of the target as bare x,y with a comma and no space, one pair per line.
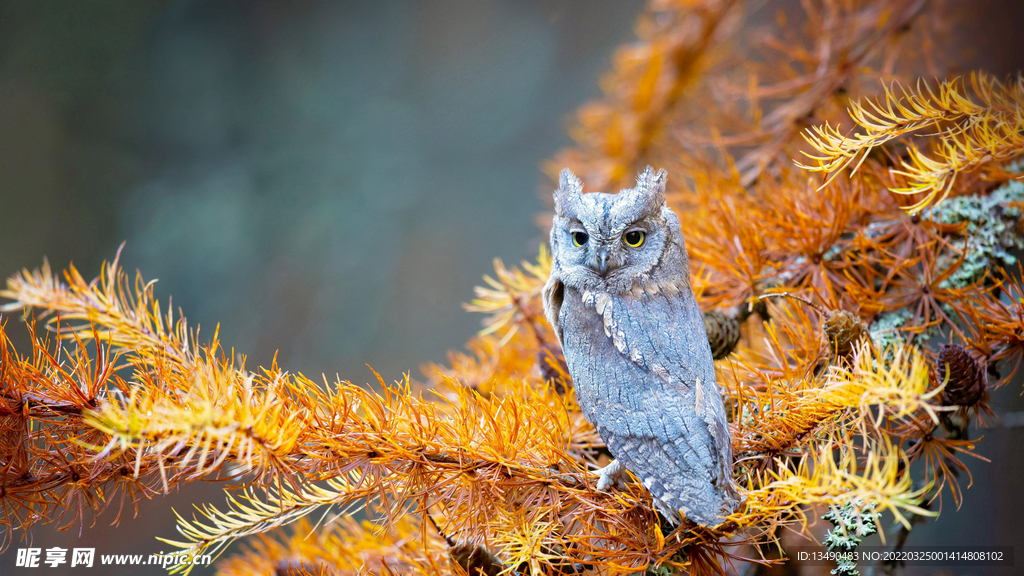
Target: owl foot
614,474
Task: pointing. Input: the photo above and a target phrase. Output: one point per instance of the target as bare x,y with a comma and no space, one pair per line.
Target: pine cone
968,378
723,333
552,367
475,560
746,310
844,331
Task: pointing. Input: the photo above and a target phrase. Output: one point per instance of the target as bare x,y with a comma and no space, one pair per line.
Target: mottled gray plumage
634,342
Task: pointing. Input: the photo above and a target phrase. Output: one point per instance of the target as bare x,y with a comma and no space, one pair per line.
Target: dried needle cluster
860,321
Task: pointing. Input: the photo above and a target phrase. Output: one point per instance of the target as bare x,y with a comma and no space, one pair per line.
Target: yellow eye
579,238
634,238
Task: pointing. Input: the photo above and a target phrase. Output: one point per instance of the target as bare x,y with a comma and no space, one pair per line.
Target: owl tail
708,512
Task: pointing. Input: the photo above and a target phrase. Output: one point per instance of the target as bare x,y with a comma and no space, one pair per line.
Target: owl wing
673,433
552,295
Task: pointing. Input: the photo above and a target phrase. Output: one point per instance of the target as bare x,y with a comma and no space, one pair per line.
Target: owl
620,301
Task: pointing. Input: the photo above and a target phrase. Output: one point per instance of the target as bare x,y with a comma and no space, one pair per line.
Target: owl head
615,242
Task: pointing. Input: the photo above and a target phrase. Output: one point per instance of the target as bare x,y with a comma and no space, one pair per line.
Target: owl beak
602,261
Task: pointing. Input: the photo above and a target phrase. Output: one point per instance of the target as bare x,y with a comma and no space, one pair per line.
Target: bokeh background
325,180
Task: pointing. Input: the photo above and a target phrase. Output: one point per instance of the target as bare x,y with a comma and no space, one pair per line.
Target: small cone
723,333
844,331
759,307
968,379
475,560
553,368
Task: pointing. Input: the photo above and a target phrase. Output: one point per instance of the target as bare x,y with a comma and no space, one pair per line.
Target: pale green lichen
990,232
852,522
990,235
885,330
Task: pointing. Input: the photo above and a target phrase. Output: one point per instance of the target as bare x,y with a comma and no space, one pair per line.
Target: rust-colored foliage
972,134
828,301
345,547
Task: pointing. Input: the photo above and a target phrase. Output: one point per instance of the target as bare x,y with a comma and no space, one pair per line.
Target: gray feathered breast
634,342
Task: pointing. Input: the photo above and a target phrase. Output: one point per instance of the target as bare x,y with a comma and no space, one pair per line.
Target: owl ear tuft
651,185
567,196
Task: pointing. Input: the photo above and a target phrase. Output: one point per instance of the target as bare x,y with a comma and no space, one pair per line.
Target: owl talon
614,474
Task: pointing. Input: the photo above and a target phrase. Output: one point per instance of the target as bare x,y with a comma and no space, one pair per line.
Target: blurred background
325,180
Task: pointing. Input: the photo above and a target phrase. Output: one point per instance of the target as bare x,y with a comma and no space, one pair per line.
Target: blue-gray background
326,179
